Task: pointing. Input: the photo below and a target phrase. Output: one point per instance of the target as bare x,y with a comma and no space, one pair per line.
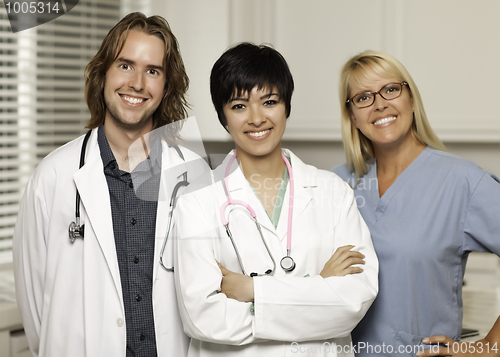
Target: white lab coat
69,295
294,314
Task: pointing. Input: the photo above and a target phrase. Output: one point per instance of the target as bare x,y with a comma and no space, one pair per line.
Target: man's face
135,83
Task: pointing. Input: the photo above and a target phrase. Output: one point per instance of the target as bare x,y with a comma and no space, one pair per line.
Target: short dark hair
173,105
245,66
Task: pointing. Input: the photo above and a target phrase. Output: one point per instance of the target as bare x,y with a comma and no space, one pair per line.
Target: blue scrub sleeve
482,223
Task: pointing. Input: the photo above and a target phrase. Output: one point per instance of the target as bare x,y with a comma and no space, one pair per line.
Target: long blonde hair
358,148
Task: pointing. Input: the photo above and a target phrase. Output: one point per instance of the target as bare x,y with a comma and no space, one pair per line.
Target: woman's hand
236,286
450,347
342,261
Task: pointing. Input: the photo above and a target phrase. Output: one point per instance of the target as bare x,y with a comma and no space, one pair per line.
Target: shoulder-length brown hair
173,105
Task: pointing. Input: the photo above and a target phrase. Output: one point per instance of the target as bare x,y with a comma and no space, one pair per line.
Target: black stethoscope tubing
76,230
173,198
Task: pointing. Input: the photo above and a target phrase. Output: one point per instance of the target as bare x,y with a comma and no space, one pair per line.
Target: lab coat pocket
408,344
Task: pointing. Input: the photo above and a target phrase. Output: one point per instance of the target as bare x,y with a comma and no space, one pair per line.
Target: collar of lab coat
240,189
93,188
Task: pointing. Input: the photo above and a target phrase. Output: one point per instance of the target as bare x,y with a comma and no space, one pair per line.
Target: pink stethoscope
287,262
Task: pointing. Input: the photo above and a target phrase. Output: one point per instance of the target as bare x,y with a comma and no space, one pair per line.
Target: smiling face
387,123
256,122
135,83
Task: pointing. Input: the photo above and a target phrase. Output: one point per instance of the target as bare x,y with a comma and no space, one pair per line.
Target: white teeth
259,133
133,100
384,120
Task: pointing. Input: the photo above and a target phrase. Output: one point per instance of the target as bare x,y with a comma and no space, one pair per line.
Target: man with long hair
106,294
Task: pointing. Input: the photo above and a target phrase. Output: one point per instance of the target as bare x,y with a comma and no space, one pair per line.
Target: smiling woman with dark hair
279,260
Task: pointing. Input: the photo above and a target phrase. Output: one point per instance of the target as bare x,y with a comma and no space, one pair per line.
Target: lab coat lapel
240,189
93,188
303,179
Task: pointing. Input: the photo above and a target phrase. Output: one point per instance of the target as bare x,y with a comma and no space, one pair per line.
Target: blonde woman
426,209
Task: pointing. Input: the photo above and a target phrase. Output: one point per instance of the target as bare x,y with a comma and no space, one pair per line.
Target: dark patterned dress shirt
134,201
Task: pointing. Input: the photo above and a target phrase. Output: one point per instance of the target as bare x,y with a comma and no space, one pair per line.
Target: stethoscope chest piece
287,263
76,230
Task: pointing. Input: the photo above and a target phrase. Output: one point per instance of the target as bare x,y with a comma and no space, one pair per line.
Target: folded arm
330,307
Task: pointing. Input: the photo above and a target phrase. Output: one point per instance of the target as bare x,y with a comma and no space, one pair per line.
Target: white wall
451,48
202,29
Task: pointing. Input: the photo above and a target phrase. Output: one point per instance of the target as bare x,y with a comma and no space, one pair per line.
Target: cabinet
450,47
13,342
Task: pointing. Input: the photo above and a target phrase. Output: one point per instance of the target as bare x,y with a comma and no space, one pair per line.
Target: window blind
42,103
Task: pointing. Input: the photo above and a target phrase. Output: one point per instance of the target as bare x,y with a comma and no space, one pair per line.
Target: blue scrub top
438,210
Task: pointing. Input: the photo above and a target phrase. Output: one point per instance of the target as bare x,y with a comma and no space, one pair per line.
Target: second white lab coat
69,294
293,314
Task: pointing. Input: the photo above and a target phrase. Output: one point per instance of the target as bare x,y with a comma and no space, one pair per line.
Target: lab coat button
133,221
119,322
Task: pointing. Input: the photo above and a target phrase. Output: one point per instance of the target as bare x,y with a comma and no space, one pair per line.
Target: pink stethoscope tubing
287,263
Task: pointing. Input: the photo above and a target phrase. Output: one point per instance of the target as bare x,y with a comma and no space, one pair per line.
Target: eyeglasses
388,92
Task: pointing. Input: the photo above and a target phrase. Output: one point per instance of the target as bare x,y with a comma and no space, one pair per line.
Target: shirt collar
106,152
153,160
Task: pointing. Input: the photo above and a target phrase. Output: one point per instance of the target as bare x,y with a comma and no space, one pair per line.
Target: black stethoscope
76,230
173,200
